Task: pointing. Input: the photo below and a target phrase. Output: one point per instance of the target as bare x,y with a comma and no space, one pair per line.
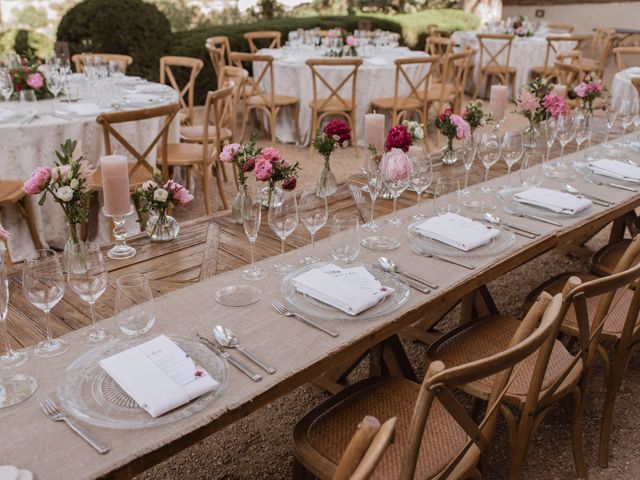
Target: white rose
74,183
64,193
418,133
160,195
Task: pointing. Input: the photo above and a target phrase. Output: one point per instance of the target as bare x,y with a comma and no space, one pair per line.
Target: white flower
64,193
74,183
160,195
418,133
149,185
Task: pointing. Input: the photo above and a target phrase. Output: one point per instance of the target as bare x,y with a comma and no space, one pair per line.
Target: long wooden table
305,357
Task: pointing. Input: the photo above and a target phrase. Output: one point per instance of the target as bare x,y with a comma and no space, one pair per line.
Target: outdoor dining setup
337,212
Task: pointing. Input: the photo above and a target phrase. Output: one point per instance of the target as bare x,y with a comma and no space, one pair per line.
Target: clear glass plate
425,244
89,394
307,305
505,197
583,168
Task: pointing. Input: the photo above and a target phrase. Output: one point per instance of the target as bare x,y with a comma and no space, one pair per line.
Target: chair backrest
79,58
219,49
536,333
621,52
270,39
218,110
555,45
601,44
571,57
458,69
338,90
438,46
413,79
236,76
561,27
568,75
365,450
141,155
498,55
262,67
169,65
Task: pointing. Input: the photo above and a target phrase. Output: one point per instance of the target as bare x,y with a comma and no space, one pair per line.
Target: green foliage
180,14
130,27
39,43
30,16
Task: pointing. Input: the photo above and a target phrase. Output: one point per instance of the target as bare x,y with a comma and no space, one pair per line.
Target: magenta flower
35,81
399,137
289,183
527,102
556,105
338,129
38,181
4,234
263,169
229,152
271,154
249,164
396,166
463,129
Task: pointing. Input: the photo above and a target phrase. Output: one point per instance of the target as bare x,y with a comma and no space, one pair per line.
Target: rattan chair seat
193,133
180,154
387,103
279,100
333,105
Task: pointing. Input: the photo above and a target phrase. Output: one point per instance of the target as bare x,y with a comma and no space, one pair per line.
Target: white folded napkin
457,231
352,290
158,375
615,169
82,109
152,88
142,99
559,202
6,114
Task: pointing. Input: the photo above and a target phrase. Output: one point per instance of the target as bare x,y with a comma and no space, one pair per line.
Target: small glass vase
448,155
74,239
162,227
327,184
236,205
587,113
530,135
271,195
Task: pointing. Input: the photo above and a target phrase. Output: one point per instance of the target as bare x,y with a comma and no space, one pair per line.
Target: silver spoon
532,217
611,184
491,218
389,265
228,339
597,200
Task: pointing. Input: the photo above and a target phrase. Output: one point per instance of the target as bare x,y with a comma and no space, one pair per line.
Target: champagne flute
88,278
10,358
374,182
314,213
550,133
512,151
566,131
283,220
446,198
469,149
421,178
489,151
612,117
43,286
251,211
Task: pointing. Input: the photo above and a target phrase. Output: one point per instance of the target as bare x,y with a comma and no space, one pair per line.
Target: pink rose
4,234
581,90
38,181
229,152
263,169
396,166
61,173
351,41
527,102
35,81
179,194
271,154
555,105
463,129
596,87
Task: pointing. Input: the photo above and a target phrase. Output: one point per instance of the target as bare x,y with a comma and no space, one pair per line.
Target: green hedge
191,43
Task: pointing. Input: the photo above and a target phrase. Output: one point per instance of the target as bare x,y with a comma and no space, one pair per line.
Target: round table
621,87
376,79
27,143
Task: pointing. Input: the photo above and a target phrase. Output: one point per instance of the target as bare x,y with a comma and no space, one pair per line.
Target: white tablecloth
621,87
526,52
376,79
25,146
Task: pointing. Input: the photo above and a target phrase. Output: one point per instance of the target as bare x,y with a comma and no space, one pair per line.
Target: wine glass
10,358
512,151
446,197
550,127
396,174
251,211
283,220
566,131
421,178
627,113
314,213
54,82
43,286
344,242
489,151
6,84
529,176
612,116
374,182
469,149
583,130
88,278
134,304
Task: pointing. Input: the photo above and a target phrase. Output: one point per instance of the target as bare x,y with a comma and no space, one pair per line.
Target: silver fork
282,310
52,411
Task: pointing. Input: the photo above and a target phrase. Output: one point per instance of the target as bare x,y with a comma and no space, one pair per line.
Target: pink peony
38,181
61,173
4,234
271,154
338,129
35,81
180,195
399,137
555,105
351,41
463,129
396,166
595,87
527,102
263,169
229,152
581,90
289,183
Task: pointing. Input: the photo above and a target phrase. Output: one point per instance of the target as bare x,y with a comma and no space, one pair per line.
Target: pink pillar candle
374,131
498,101
115,184
560,90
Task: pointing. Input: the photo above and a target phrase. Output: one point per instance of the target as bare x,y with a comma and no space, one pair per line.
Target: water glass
489,151
314,213
512,151
43,287
54,82
251,211
447,195
344,243
531,177
421,178
628,112
283,220
135,312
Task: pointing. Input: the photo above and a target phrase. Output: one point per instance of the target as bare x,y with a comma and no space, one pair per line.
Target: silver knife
256,377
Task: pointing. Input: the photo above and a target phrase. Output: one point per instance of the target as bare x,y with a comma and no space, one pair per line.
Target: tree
30,16
269,9
180,14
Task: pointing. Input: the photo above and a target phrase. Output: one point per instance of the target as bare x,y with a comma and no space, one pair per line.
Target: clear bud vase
74,239
236,205
162,227
448,156
530,136
327,184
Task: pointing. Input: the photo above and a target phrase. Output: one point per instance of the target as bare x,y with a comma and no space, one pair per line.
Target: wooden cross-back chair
334,97
219,49
555,45
451,89
79,58
600,52
441,47
566,74
491,64
435,435
259,93
561,27
270,39
238,77
168,67
12,193
621,52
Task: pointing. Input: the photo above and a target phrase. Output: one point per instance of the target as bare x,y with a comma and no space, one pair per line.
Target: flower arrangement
475,116
335,134
416,129
347,41
452,126
587,91
66,182
242,156
519,27
399,137
536,102
272,168
27,77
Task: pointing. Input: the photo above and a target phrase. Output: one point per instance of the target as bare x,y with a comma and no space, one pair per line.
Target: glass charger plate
315,308
88,393
505,196
583,168
428,245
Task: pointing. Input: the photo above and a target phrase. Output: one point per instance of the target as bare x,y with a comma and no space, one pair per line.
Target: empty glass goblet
135,312
529,176
283,220
314,212
489,151
421,178
251,211
512,151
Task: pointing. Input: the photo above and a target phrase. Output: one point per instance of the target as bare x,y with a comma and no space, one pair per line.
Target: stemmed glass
54,82
396,179
251,211
6,84
43,286
283,220
374,182
89,280
566,131
469,149
421,178
29,103
628,112
583,130
489,151
550,134
446,187
314,213
612,116
512,151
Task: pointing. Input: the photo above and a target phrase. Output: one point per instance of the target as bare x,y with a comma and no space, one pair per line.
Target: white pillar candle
115,184
498,101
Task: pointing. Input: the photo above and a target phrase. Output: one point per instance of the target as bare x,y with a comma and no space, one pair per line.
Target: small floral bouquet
66,182
587,91
452,126
416,129
519,27
475,116
242,156
335,134
399,137
348,41
27,77
536,102
272,168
